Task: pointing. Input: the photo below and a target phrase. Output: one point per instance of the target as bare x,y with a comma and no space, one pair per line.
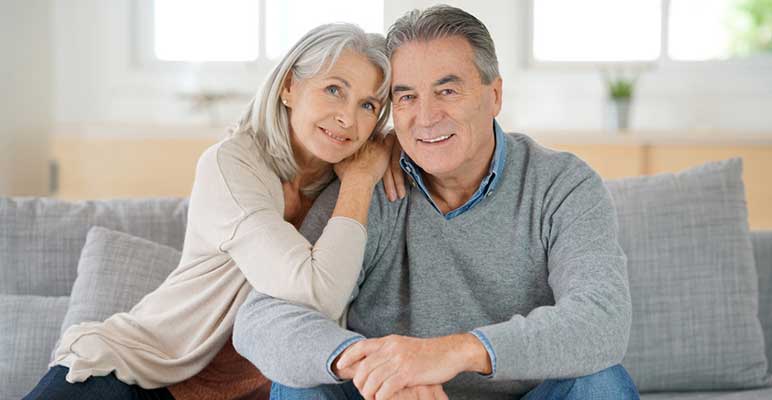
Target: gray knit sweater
534,269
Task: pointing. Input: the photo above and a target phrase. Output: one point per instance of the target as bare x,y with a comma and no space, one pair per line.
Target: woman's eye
333,90
369,107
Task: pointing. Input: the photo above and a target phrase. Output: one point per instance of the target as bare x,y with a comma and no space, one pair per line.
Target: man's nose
428,112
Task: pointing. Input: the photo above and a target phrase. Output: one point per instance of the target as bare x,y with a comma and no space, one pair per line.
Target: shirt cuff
343,346
489,348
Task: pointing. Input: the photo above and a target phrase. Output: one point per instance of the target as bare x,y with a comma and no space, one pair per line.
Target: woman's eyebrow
373,100
345,82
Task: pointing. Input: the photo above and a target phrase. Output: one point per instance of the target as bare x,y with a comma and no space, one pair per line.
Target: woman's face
333,113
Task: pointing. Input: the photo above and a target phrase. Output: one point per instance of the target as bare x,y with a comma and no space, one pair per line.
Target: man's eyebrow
401,88
447,79
345,82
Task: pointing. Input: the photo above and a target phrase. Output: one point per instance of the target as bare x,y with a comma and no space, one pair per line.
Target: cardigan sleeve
237,207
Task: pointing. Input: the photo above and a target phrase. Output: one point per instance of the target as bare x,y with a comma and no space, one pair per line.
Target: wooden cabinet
94,167
618,156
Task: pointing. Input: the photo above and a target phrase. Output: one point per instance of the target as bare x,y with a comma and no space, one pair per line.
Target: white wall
98,81
26,79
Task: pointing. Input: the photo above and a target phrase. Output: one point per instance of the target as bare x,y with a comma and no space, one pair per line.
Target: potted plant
620,91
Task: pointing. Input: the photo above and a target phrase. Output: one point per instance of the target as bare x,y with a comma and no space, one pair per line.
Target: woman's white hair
266,118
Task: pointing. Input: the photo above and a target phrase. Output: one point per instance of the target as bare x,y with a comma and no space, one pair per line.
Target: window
285,24
200,30
566,30
648,31
247,30
719,29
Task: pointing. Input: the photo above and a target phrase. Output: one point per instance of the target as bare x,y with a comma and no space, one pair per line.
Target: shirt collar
487,185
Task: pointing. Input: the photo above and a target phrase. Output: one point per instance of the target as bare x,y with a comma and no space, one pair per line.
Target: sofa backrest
41,238
762,249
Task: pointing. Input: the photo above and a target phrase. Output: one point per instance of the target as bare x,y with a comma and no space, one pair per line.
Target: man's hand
431,392
426,392
382,367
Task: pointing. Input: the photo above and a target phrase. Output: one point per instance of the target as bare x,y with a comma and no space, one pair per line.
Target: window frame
144,57
761,61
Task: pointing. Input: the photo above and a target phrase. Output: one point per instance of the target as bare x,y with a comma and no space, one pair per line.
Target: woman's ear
287,91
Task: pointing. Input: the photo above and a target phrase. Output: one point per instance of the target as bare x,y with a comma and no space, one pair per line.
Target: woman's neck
310,167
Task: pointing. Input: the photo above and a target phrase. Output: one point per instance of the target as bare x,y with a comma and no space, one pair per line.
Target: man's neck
454,190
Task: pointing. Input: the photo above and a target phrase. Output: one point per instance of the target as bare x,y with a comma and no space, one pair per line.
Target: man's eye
333,90
406,97
446,92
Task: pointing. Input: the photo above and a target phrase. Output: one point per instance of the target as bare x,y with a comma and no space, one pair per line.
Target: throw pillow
762,248
115,271
29,329
693,280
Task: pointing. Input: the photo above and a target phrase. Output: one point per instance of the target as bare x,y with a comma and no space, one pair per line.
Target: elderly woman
321,112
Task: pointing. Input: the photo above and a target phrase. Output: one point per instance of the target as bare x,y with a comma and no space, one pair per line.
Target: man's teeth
338,138
435,140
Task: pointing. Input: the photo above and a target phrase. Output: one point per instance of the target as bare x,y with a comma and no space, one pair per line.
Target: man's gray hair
442,21
266,118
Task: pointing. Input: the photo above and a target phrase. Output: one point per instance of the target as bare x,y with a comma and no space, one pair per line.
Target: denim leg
53,386
611,383
345,391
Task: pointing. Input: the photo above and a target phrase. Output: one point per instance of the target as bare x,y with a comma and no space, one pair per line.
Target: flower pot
618,114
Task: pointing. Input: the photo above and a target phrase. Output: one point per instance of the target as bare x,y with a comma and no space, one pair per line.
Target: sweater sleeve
290,344
237,207
587,328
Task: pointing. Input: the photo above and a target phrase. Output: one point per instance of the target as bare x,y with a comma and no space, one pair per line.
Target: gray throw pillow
115,271
29,328
762,248
693,280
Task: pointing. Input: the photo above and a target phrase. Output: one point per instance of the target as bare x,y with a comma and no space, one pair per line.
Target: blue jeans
53,386
612,383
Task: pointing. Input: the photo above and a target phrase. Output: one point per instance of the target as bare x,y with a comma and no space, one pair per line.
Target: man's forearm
290,344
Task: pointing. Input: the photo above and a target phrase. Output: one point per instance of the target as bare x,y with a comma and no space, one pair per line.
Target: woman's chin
331,157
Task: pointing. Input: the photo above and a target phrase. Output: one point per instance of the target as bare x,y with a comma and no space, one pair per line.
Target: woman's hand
369,162
393,179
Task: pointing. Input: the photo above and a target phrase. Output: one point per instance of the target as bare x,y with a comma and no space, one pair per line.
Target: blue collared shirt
487,185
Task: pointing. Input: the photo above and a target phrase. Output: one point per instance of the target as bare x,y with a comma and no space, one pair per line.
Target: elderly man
497,275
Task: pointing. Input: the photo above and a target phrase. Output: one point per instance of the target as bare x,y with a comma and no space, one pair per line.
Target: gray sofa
42,241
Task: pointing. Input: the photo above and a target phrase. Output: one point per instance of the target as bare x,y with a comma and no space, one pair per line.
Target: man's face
443,113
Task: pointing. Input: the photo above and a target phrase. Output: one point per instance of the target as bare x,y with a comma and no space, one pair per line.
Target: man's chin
439,169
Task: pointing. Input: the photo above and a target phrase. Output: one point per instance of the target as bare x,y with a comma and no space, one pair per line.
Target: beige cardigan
236,239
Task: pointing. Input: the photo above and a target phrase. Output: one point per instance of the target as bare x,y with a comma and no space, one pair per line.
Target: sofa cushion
41,238
114,272
762,248
693,280
29,329
750,394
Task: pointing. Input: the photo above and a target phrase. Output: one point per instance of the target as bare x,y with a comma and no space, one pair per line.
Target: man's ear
496,96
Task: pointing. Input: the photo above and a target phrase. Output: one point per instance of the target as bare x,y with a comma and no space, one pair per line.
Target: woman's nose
344,118
342,121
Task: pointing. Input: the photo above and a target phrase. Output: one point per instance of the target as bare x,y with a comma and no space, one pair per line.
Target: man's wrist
475,356
341,375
